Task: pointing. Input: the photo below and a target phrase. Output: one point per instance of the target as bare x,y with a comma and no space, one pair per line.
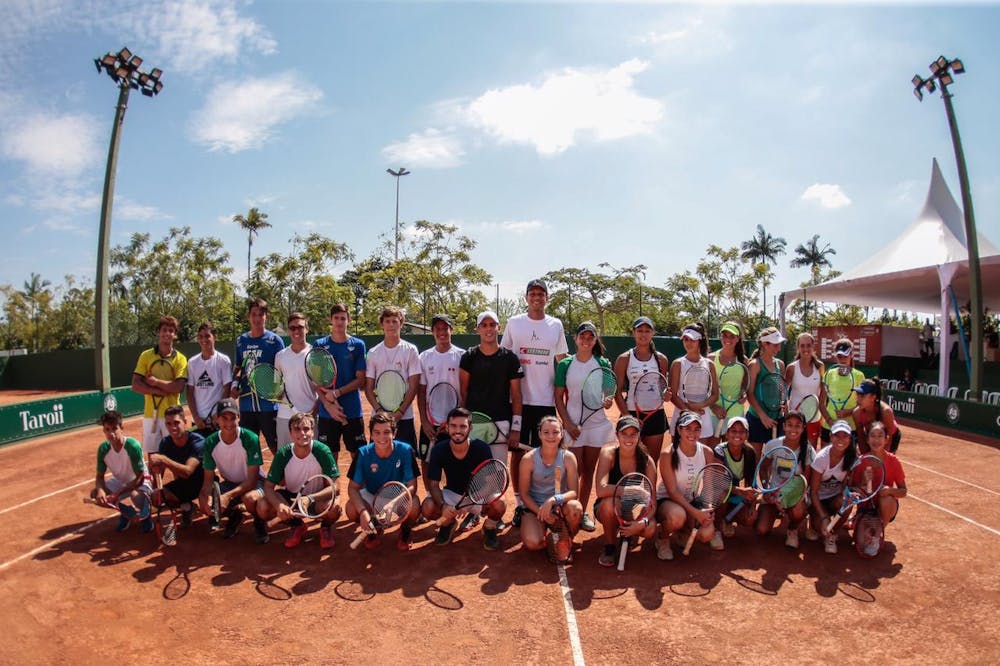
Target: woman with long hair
794,439
763,366
872,409
731,368
694,396
803,376
630,366
827,476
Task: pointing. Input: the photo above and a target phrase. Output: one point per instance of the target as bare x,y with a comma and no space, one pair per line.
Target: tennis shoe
717,543
405,537
607,558
295,537
147,525
792,539
663,550
471,522
443,537
501,525
871,549
587,524
811,534
326,539
260,533
123,524
727,529
516,520
233,525
491,540
830,544
186,517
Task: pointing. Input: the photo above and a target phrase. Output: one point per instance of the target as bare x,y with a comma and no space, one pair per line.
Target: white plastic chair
932,389
994,398
953,392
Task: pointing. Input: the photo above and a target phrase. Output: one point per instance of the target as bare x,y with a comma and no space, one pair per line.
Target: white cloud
696,36
430,149
53,145
245,115
826,195
517,227
130,210
601,104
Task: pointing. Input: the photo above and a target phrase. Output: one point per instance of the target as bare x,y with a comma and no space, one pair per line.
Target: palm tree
765,249
252,224
810,254
34,289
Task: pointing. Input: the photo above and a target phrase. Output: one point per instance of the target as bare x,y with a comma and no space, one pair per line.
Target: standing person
872,409
159,393
381,461
840,381
732,351
794,438
630,366
695,341
438,365
258,345
539,341
234,454
803,378
586,438
340,412
180,453
395,354
291,362
129,486
457,457
210,374
762,364
927,334
827,476
294,464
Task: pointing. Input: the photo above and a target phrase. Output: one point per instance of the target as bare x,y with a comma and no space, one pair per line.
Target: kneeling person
180,453
122,456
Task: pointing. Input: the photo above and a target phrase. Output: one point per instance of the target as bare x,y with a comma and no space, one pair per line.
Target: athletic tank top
687,470
707,425
634,371
543,476
801,386
761,374
864,421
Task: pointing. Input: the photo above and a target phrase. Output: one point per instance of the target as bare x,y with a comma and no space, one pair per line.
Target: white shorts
115,486
366,496
150,439
602,435
453,498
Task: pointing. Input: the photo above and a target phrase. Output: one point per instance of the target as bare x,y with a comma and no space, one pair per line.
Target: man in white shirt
209,375
291,362
394,354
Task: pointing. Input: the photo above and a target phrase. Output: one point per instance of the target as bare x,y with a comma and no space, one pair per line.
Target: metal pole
102,360
397,215
972,244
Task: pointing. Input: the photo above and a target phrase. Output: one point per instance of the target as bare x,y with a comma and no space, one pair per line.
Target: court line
957,515
64,537
574,630
928,469
46,496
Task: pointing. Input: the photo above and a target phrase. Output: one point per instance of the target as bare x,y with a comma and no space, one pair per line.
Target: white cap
774,337
487,314
691,334
841,426
737,419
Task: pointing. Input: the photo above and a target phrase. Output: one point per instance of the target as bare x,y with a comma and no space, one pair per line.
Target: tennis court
74,588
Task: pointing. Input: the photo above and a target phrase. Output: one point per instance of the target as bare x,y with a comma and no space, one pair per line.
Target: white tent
915,271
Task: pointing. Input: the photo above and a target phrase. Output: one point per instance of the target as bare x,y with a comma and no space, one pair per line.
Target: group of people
561,455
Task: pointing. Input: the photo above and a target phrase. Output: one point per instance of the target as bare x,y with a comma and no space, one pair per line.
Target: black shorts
531,415
655,425
331,432
424,445
262,423
758,433
405,432
186,490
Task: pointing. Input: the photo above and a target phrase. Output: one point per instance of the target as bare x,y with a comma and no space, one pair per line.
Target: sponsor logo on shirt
534,351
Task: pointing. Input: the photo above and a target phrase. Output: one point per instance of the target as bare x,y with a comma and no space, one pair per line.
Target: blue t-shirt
193,448
350,358
372,472
249,352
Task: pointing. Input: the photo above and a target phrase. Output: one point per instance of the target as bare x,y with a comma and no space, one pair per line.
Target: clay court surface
76,591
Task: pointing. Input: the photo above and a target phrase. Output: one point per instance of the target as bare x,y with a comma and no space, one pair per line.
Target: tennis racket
321,368
772,392
711,490
839,382
315,498
864,481
166,517
109,502
808,407
696,385
558,539
734,381
774,470
869,534
633,501
215,505
486,429
163,370
792,492
267,383
391,505
599,387
390,389
488,482
441,399
649,394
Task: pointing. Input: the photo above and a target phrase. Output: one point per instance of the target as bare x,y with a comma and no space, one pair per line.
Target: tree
810,254
71,324
252,224
38,297
717,290
763,248
599,295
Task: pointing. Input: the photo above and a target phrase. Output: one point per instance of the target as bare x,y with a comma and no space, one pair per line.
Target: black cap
586,326
442,317
536,284
227,405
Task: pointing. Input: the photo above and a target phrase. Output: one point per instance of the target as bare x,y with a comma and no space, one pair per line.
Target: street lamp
397,175
942,71
123,68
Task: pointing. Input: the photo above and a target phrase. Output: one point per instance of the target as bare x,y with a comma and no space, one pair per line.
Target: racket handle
735,510
774,430
623,547
836,520
359,539
690,541
525,447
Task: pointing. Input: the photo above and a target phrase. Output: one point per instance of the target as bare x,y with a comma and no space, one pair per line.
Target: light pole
397,175
942,70
123,68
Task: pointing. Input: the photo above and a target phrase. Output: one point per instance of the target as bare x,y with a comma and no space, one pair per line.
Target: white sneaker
830,544
716,543
727,529
811,534
663,550
792,539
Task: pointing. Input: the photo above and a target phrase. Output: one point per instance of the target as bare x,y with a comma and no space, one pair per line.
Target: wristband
645,522
515,422
336,394
558,498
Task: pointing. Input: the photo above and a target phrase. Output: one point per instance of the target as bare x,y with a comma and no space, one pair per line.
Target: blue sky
560,134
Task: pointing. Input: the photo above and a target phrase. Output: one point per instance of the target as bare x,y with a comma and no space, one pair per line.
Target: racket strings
593,391
390,388
733,382
391,504
867,477
440,401
267,381
697,384
320,367
632,500
649,392
483,428
772,394
488,483
716,483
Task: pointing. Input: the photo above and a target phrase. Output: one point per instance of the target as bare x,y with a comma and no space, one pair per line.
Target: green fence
977,417
44,417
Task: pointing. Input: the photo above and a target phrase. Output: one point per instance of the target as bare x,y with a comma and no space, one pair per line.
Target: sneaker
502,526
470,523
811,534
405,537
717,543
147,525
727,529
607,558
830,544
792,539
871,549
326,539
491,540
516,520
587,524
123,523
372,541
295,537
233,525
663,550
443,537
186,517
260,533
